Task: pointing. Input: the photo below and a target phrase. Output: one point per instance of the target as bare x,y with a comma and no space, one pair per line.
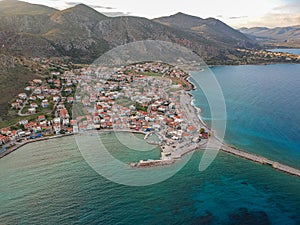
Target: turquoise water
262,104
287,50
51,183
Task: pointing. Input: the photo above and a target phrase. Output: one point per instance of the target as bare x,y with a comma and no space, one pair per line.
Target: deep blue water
287,50
262,104
50,182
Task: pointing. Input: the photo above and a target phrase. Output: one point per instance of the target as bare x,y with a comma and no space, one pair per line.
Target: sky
237,13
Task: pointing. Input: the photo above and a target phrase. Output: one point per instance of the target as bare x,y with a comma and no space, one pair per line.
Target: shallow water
50,182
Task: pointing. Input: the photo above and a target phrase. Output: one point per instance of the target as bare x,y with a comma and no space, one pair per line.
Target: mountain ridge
285,36
83,34
209,28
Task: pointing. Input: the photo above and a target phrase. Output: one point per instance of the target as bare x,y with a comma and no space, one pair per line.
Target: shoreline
254,64
25,142
167,159
233,151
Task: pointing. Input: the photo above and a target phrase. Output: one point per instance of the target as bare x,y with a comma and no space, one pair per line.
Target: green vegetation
124,101
139,107
13,81
14,120
151,74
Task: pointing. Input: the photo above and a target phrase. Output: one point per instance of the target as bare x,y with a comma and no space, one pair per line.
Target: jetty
262,160
170,156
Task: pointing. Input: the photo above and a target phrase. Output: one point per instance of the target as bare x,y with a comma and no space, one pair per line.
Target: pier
262,160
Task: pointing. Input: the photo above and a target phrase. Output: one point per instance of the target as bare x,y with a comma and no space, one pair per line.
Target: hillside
211,29
15,8
13,75
280,36
83,34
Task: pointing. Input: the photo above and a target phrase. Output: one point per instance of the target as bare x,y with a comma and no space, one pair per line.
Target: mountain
83,34
52,33
284,36
15,8
210,28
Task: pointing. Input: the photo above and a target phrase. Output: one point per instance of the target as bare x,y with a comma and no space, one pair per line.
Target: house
56,128
56,120
14,135
30,125
37,91
32,110
32,98
70,100
68,91
5,131
41,97
37,81
63,114
34,105
15,105
45,103
28,88
56,98
4,139
41,118
21,133
22,96
23,122
69,130
73,122
37,129
191,129
66,122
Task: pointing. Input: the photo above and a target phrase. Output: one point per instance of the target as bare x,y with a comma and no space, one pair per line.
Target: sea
50,182
295,51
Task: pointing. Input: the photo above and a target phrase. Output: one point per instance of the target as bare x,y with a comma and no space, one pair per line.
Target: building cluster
265,55
44,108
127,99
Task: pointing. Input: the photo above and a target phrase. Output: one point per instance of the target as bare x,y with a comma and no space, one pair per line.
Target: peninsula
151,98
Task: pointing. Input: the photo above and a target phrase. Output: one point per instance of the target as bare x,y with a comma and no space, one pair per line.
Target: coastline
239,152
23,143
168,161
169,155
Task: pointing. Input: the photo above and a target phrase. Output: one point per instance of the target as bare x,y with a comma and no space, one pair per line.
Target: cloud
92,6
101,7
115,14
290,7
272,20
237,17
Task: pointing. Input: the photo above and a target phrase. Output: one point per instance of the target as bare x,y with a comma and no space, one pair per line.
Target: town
150,98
